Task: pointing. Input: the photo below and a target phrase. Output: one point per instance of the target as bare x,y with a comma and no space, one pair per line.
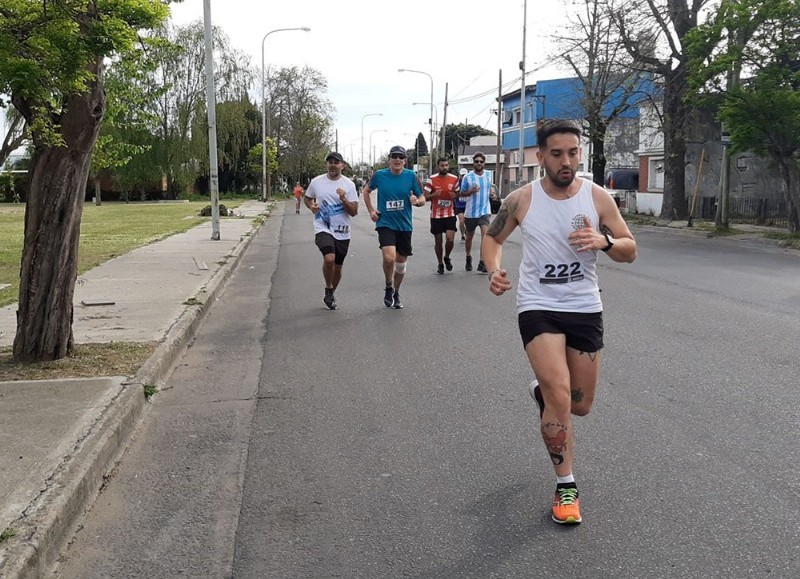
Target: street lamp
430,145
370,145
361,160
264,129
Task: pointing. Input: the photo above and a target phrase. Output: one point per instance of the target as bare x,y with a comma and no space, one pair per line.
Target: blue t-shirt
393,199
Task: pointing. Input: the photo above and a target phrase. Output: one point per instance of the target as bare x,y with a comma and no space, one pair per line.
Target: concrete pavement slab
42,421
59,439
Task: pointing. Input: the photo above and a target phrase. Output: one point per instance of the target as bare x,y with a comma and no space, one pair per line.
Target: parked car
621,180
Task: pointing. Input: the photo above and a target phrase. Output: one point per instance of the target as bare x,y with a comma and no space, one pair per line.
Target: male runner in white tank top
565,222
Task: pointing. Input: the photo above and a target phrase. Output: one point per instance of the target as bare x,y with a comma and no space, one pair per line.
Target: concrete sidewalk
59,439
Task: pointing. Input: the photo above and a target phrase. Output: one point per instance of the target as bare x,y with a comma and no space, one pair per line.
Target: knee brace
399,268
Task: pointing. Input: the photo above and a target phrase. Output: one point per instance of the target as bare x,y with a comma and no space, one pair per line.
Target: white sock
565,479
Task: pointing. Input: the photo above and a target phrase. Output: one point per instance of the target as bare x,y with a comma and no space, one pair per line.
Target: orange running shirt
444,186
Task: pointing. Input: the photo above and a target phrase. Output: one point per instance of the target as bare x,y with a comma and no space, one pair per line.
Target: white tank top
553,275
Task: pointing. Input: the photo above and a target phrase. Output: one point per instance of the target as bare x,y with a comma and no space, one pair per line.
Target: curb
49,521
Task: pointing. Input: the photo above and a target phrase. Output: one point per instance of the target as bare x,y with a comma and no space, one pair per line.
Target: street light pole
211,107
265,185
430,145
361,160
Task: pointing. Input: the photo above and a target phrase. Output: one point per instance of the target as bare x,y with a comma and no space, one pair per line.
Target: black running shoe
388,299
329,300
440,269
536,394
481,267
468,265
448,264
396,303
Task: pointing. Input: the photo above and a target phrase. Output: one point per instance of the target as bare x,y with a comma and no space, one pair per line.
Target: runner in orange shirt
440,190
298,196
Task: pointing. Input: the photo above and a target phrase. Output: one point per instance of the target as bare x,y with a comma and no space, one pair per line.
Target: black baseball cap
335,156
397,150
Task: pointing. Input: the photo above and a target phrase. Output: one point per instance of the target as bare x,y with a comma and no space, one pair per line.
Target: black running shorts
584,332
401,240
443,224
327,243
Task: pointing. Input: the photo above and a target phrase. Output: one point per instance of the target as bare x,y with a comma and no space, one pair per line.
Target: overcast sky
359,45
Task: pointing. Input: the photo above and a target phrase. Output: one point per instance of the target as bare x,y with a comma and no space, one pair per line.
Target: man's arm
500,228
366,193
350,207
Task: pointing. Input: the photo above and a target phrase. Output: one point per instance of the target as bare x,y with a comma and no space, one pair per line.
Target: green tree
456,137
761,40
300,120
52,57
126,117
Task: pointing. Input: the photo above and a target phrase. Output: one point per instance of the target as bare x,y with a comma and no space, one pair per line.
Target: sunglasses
477,161
397,156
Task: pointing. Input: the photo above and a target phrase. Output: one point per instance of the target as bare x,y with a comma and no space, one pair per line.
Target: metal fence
755,210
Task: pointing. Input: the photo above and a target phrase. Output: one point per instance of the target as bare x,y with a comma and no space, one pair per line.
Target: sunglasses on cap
397,156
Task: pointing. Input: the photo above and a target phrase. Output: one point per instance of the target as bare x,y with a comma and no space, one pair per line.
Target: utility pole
497,166
721,218
522,95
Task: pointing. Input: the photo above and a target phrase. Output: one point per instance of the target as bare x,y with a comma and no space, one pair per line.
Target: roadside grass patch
107,231
791,240
87,361
7,534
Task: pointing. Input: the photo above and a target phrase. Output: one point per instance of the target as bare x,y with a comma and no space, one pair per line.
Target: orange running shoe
566,506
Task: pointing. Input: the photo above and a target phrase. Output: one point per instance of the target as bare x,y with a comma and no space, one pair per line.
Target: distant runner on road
333,200
440,191
398,190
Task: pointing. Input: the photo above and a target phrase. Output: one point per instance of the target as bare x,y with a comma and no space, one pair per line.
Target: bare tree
653,32
612,79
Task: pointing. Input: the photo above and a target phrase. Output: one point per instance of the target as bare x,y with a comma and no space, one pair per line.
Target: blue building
562,99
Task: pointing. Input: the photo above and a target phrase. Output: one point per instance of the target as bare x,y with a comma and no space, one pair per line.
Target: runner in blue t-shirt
398,189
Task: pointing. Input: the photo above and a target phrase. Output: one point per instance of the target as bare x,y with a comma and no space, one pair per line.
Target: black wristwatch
610,241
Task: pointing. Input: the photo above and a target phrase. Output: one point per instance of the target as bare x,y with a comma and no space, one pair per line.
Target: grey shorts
471,223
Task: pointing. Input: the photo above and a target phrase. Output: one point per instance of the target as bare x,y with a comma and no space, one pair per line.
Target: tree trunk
97,192
790,172
49,265
598,160
674,205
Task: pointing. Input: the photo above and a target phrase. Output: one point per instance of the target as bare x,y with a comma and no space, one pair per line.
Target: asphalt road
296,442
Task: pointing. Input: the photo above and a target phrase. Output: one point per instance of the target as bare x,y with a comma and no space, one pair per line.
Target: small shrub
223,211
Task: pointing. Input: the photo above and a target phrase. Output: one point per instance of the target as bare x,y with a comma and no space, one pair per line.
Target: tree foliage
52,59
760,39
300,121
456,137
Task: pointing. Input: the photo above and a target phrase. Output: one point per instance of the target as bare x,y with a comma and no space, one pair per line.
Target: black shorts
327,243
584,332
400,240
471,223
443,224
459,210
